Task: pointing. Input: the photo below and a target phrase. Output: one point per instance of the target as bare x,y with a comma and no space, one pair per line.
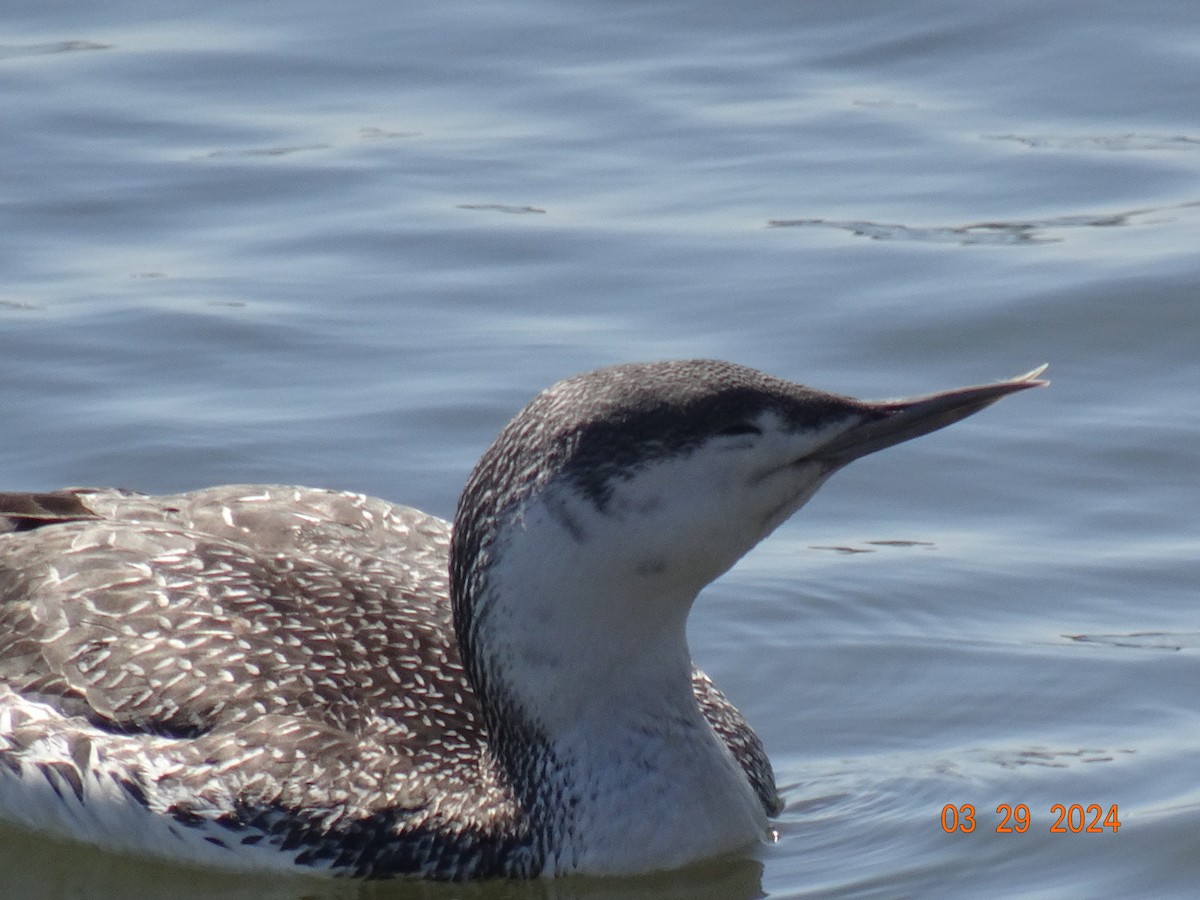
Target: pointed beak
891,422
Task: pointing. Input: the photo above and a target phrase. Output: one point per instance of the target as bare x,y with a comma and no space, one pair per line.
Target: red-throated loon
267,677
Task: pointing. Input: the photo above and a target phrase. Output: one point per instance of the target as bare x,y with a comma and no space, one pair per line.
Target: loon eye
738,429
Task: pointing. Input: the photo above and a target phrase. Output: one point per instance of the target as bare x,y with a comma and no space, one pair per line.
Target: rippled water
341,244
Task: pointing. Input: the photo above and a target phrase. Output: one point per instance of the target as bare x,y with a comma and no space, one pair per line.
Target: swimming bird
268,677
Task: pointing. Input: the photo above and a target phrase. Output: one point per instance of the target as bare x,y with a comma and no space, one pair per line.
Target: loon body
265,677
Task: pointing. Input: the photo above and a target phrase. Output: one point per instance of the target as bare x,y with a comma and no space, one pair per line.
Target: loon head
591,523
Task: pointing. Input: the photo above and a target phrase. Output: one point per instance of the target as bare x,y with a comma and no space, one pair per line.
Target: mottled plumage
265,676
312,692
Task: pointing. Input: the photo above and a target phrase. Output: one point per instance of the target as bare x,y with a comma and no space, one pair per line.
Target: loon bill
269,677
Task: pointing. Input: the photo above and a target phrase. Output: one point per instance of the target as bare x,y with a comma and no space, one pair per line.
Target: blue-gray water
340,244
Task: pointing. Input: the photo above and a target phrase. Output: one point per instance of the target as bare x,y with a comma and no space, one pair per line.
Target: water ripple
1013,232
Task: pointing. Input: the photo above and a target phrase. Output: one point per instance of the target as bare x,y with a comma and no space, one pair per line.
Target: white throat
591,644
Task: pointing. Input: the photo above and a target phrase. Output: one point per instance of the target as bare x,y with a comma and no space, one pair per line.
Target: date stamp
1074,818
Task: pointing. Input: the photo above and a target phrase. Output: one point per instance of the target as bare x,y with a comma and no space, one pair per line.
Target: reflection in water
1142,640
1110,142
499,207
11,51
33,869
1031,231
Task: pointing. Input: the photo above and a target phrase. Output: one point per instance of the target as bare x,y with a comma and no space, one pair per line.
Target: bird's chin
819,472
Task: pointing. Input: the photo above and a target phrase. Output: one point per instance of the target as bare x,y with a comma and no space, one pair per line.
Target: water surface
341,245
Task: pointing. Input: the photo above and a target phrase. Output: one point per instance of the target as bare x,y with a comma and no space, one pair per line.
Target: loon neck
610,752
585,679
556,627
